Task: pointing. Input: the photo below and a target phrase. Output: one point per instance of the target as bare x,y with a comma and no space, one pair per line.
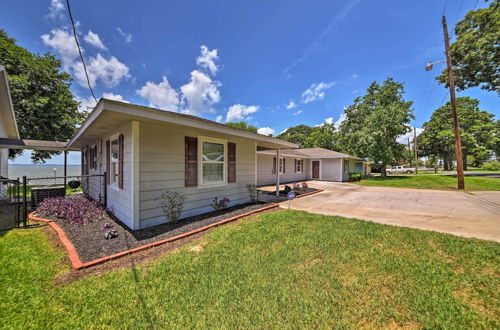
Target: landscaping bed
285,192
90,242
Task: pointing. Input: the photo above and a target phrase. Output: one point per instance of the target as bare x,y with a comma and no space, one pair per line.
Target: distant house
8,125
146,151
307,164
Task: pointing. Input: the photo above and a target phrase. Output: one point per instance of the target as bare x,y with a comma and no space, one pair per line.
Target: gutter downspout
278,172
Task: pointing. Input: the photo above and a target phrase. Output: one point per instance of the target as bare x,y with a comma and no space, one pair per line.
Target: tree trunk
383,172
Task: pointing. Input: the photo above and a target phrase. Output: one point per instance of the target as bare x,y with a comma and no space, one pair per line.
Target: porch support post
278,172
65,167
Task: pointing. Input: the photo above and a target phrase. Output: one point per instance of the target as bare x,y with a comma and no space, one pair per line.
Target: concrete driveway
464,214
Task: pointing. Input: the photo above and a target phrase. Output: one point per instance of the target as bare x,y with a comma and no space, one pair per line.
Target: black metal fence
22,196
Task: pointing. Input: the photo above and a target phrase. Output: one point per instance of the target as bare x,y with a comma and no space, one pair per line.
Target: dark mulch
300,192
91,244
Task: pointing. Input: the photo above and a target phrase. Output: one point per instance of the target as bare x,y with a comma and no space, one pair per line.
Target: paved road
464,214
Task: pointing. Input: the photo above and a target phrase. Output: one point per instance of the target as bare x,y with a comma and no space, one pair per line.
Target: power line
477,1
80,50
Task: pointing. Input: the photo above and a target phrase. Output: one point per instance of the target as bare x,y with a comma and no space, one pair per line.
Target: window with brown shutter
120,161
191,161
231,164
108,164
284,166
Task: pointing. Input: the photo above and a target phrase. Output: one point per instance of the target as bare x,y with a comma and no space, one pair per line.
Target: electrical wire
80,50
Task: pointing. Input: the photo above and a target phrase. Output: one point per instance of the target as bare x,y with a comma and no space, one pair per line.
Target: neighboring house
145,151
307,164
8,125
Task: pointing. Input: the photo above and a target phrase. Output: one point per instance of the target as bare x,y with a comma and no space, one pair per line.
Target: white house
307,164
8,125
146,151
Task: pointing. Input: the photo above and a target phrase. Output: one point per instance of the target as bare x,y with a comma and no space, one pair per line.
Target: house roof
32,144
127,111
7,116
310,153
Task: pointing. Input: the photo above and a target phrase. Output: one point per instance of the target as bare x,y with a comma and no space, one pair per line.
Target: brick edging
310,193
77,264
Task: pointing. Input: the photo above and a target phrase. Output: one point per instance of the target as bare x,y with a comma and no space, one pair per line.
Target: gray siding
161,167
265,175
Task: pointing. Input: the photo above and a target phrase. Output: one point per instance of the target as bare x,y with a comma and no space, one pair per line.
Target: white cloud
291,105
329,120
339,121
116,97
94,39
126,36
219,118
160,95
404,138
200,93
316,92
265,131
240,112
62,42
86,104
207,59
109,71
56,9
297,112
354,76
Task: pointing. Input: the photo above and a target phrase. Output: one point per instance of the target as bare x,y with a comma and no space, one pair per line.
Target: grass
290,269
434,181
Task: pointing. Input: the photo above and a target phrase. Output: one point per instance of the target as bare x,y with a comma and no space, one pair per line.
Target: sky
274,64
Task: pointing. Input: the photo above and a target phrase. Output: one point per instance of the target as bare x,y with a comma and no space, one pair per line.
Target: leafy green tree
296,134
478,132
476,51
43,104
375,121
243,125
323,136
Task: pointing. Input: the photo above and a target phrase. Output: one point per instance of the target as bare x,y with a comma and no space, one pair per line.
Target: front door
315,169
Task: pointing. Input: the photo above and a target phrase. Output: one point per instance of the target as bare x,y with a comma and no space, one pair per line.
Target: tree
477,131
475,52
323,136
43,104
296,134
243,125
375,121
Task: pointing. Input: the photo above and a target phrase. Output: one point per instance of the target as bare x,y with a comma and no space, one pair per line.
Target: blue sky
274,64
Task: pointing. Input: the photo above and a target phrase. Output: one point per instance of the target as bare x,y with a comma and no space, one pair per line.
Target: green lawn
290,269
434,181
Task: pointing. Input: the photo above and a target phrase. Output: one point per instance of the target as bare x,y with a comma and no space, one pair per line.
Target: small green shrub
493,166
172,204
253,193
355,177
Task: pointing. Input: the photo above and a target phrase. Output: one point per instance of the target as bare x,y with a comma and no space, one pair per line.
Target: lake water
41,170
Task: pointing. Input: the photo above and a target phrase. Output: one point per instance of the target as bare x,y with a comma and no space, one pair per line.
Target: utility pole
409,151
451,84
415,149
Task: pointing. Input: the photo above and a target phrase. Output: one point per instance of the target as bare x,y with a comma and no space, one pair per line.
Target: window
115,158
213,161
282,162
298,164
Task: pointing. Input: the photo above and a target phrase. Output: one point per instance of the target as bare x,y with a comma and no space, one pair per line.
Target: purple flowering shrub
220,204
76,210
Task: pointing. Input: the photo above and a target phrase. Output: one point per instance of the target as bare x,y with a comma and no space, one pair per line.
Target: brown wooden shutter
301,166
108,162
191,161
274,165
87,156
284,165
120,161
231,162
295,165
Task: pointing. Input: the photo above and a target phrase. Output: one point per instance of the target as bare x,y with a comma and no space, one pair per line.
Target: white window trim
299,161
202,185
281,165
115,136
